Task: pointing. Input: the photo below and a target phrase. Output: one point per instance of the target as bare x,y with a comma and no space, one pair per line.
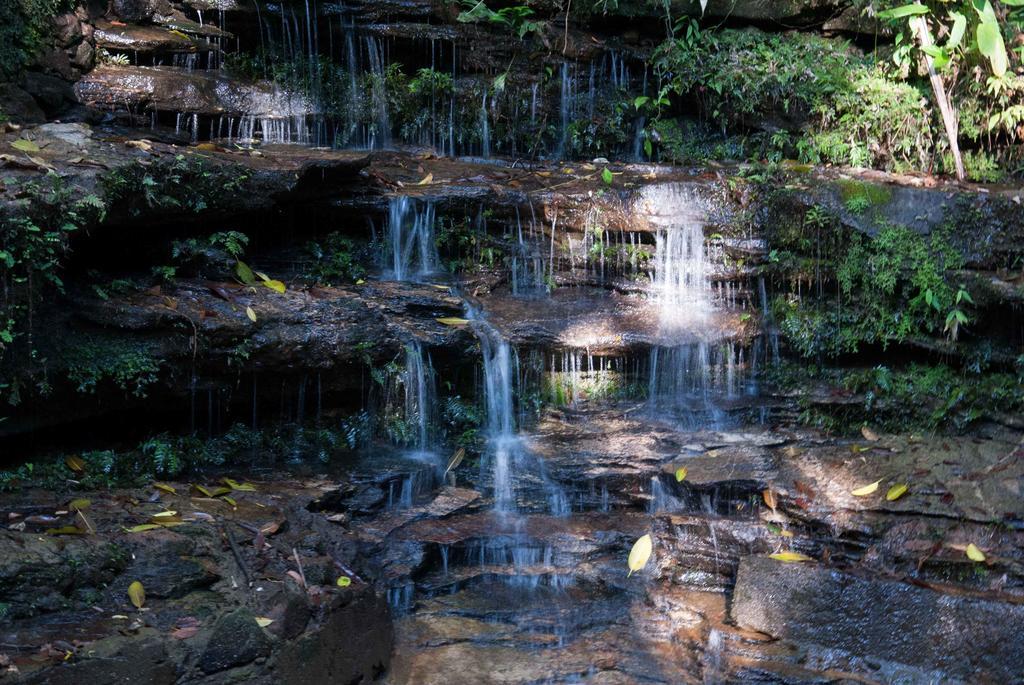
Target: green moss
874,194
918,397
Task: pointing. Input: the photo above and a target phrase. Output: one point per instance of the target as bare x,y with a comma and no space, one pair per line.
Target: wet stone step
913,633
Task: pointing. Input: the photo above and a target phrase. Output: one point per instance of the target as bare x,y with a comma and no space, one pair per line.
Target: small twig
88,526
237,554
298,562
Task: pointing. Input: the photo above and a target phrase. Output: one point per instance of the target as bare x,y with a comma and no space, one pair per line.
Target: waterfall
379,95
497,357
411,239
485,129
681,284
419,393
566,110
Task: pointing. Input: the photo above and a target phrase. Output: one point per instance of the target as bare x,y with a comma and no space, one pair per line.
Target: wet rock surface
229,594
886,620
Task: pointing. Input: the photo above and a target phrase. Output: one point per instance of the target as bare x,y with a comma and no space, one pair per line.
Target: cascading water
410,235
681,284
419,393
497,358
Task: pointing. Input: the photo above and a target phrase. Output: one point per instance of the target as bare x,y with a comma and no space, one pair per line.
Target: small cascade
497,358
378,94
419,393
566,110
681,284
485,129
410,235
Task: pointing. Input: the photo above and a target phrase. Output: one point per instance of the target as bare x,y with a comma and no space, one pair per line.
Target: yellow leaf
79,504
208,147
429,178
137,594
75,464
165,513
869,435
263,621
680,474
974,554
789,557
203,490
786,533
769,499
453,321
251,314
438,286
241,487
166,488
640,553
344,581
857,449
276,286
866,490
360,281
896,491
230,501
65,530
142,528
25,145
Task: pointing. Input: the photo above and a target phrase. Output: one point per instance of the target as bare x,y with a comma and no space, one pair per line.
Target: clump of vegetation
881,290
917,397
848,108
336,259
91,362
180,183
35,239
25,26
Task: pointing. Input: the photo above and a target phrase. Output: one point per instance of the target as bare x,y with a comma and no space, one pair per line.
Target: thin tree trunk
949,120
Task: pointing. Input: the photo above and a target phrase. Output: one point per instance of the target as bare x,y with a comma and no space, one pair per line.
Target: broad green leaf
137,594
639,555
956,34
866,490
680,474
25,145
895,492
344,581
641,101
606,176
986,11
244,273
648,147
973,553
990,42
905,11
789,557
